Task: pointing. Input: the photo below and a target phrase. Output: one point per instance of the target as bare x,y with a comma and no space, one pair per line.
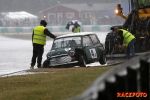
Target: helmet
43,22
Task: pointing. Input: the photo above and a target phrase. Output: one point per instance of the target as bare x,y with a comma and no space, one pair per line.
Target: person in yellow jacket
39,40
76,28
128,40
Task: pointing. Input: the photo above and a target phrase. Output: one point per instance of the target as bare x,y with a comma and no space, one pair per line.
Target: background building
88,14
95,12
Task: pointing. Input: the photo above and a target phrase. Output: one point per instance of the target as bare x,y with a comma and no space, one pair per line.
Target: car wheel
103,59
82,62
46,63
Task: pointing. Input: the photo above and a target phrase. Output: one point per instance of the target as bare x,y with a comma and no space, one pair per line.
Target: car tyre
103,59
82,62
46,63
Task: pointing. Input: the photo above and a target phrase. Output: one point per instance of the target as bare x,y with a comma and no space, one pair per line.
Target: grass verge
57,84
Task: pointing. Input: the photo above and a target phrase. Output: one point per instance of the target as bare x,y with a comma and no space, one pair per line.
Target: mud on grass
57,84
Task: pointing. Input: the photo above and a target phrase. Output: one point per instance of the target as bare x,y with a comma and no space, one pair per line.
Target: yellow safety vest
39,37
76,29
127,37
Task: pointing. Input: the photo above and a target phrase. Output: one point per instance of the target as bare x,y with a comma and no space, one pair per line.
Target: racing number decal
93,53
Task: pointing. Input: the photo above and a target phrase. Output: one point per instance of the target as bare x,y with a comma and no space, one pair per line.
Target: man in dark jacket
39,40
128,40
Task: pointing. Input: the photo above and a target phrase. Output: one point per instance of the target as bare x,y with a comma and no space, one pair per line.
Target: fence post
145,76
132,80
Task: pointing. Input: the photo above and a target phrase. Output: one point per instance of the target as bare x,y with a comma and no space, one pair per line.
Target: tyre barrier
54,29
128,81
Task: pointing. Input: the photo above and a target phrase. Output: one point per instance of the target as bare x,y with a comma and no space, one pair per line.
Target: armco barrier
54,29
128,81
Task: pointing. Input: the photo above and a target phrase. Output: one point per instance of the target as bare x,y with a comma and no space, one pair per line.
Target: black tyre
46,63
82,62
103,58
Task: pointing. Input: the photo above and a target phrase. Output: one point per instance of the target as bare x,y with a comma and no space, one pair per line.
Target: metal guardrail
128,81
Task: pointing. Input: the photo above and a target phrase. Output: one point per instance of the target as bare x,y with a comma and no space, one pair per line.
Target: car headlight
71,53
67,49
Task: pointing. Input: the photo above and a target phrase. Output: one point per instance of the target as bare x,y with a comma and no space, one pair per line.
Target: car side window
87,41
95,39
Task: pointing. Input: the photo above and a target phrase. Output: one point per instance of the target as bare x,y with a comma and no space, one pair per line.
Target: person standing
39,40
128,40
76,28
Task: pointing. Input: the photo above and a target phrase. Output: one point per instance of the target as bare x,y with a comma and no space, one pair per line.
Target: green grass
57,84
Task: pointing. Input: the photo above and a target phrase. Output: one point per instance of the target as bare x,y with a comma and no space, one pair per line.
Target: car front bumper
61,60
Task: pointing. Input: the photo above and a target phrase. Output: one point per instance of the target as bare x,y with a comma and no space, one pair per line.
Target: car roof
76,34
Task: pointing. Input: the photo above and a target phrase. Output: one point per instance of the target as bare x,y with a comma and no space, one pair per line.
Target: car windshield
67,42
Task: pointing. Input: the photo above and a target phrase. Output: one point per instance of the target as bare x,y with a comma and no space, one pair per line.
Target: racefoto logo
131,94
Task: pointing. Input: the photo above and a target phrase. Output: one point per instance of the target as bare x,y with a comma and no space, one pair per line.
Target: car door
89,49
97,45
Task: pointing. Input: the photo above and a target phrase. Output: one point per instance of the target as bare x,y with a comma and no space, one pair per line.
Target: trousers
130,49
38,51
